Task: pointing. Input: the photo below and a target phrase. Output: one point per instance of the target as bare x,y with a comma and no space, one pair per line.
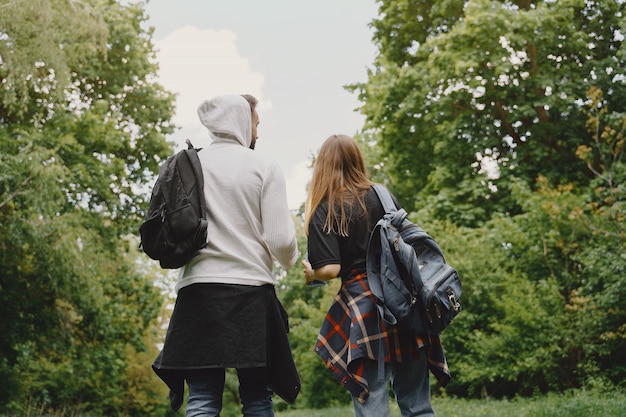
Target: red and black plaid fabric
352,332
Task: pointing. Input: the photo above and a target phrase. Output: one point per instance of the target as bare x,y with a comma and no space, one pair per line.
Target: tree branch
17,191
507,125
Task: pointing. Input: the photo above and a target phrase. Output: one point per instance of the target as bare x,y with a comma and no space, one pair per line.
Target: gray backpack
408,274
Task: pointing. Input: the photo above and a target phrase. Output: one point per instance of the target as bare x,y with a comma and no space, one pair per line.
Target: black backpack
175,226
408,274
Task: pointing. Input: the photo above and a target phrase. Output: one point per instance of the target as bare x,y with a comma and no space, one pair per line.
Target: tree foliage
465,95
82,130
542,288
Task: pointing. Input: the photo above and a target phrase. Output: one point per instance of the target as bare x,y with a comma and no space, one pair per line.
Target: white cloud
198,64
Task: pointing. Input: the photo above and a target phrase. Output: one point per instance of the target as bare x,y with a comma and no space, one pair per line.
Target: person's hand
308,272
323,273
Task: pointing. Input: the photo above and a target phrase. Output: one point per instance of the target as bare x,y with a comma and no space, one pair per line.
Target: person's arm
278,228
323,273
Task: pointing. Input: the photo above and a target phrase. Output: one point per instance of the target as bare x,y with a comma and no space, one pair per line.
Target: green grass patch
580,403
571,404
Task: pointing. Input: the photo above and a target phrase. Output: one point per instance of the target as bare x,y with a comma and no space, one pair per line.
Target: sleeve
323,248
278,229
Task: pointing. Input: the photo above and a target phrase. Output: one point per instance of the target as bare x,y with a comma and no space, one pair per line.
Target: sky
295,56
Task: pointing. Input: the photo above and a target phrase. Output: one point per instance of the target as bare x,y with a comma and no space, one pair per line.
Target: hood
227,117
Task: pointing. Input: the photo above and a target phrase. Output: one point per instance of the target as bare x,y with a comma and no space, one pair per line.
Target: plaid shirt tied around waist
352,333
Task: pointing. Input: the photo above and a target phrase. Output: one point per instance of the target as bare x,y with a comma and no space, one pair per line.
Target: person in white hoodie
227,314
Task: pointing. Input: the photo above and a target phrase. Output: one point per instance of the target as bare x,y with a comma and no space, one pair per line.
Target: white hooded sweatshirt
249,221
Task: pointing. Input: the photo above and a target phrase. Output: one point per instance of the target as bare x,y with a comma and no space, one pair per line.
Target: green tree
542,288
82,130
465,95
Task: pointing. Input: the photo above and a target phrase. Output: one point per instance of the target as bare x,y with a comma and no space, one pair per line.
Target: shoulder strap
394,215
385,198
374,260
377,261
378,253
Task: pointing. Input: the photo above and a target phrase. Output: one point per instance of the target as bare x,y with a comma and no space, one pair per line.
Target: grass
574,404
580,403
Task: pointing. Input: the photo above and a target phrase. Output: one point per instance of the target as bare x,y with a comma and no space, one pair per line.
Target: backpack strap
375,248
395,215
385,198
376,245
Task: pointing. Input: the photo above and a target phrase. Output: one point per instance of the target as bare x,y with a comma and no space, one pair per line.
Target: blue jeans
206,388
411,386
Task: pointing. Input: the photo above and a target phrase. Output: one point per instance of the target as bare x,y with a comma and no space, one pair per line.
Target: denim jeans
411,386
206,388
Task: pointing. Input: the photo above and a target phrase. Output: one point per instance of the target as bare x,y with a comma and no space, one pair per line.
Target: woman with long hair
365,356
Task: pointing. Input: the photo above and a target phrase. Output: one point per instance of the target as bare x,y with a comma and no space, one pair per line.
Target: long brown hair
340,176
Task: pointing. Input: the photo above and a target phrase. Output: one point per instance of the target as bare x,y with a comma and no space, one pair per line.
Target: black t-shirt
349,251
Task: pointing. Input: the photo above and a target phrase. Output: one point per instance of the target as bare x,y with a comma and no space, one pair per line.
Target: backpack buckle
456,306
